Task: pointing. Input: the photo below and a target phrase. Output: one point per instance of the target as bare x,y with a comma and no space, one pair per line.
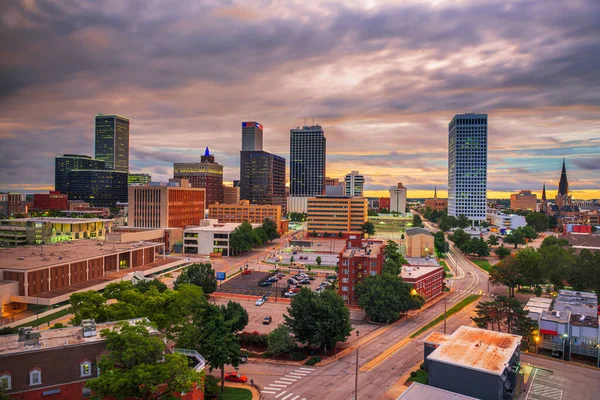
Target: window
373,273
35,377
5,381
86,368
86,392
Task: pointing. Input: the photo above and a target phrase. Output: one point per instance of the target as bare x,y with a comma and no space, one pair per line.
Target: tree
507,273
559,262
318,260
528,232
529,263
314,234
538,221
372,213
211,336
502,252
479,247
463,221
439,241
318,319
515,237
262,235
235,315
583,272
460,238
144,286
136,366
417,221
368,228
385,297
393,260
493,240
280,340
85,305
3,395
553,240
291,259
271,229
340,235
201,275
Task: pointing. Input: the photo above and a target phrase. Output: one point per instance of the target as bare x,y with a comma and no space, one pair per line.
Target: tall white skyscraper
467,166
398,199
353,184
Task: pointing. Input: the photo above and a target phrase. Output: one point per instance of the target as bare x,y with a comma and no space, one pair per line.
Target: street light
356,374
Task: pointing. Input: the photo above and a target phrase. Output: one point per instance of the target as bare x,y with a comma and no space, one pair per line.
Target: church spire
544,192
563,185
435,192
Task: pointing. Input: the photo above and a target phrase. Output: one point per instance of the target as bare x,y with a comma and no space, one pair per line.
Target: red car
235,377
295,290
246,272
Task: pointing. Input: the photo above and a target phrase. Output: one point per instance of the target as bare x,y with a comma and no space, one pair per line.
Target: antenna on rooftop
304,121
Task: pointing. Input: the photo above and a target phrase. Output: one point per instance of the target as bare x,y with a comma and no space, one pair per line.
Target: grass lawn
446,269
420,376
47,318
453,310
483,264
235,394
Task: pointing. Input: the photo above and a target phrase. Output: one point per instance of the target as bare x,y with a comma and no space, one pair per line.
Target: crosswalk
479,292
277,388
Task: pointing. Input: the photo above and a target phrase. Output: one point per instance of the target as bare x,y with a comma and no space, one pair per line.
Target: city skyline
535,78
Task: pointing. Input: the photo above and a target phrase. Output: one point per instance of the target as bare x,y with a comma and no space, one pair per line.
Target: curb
570,363
255,392
399,387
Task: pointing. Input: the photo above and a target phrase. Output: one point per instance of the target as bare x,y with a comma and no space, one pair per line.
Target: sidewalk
252,389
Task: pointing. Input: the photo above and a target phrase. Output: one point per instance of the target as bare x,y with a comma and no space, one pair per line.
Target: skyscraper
112,141
398,199
64,164
353,184
206,174
252,136
307,161
467,166
99,187
262,178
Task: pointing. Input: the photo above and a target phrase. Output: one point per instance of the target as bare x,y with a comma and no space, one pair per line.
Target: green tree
318,319
444,223
368,228
85,305
553,240
235,315
201,275
144,286
340,234
280,340
211,336
372,213
529,263
385,297
507,273
315,234
493,240
528,232
480,247
460,238
502,252
538,221
393,260
463,221
417,221
263,237
515,237
3,395
318,260
136,366
583,272
271,229
559,262
291,259
439,241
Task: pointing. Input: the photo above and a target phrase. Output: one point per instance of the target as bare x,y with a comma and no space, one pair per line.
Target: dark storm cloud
589,164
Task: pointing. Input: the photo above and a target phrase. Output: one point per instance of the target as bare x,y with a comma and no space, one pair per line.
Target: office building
398,199
333,182
112,141
475,362
330,216
50,201
524,201
384,203
467,166
262,178
14,203
99,187
353,184
210,238
419,242
175,204
436,204
244,211
231,194
252,136
359,259
507,221
65,163
139,179
22,231
308,159
207,174
427,280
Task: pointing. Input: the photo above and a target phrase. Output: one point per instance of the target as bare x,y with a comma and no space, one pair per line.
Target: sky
383,79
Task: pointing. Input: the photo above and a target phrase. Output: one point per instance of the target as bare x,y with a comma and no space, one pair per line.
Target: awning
548,332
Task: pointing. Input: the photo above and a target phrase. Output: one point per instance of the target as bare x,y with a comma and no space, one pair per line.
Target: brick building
206,174
330,215
359,259
524,200
244,211
436,204
427,280
384,203
51,201
419,242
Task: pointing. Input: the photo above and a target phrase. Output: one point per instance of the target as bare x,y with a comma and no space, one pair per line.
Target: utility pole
445,315
356,374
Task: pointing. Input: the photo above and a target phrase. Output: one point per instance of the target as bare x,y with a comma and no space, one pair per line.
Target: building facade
252,136
508,221
65,163
308,148
384,203
353,184
231,194
172,205
112,141
262,178
419,243
428,281
436,204
359,259
332,215
524,200
99,187
206,174
210,238
244,211
22,231
398,199
467,166
139,179
50,201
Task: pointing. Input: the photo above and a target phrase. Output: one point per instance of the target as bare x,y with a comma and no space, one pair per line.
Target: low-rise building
437,204
244,211
211,237
584,337
418,391
419,242
507,221
582,303
428,281
535,306
583,241
384,203
524,200
328,216
554,330
22,231
475,362
231,194
51,201
359,259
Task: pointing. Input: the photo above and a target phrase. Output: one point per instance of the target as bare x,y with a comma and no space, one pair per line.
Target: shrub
58,325
297,355
413,374
313,360
422,366
211,385
254,339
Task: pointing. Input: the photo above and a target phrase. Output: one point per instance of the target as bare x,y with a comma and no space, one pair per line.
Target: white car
259,302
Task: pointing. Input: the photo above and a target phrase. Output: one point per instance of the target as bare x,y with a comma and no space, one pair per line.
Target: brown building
384,203
207,174
15,204
428,281
360,258
330,215
332,181
51,201
231,194
172,205
436,204
524,200
244,211
419,242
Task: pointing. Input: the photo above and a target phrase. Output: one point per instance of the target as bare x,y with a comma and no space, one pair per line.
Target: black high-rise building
99,187
112,141
262,178
64,164
307,161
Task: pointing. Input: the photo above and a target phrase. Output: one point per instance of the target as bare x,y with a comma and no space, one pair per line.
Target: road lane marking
280,394
298,374
281,386
291,378
284,382
266,391
307,369
285,397
272,388
295,397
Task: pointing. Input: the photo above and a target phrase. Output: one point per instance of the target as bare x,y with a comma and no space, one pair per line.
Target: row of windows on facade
35,375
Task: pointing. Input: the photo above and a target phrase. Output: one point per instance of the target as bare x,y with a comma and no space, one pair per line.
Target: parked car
556,353
319,289
305,281
273,279
235,377
295,290
289,294
292,281
267,320
312,278
246,272
259,302
243,358
280,275
266,283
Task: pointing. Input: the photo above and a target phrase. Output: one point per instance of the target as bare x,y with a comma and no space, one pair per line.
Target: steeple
563,185
435,192
206,152
544,192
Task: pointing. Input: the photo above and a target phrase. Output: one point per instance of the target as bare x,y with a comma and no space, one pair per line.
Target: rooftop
417,271
556,316
584,320
217,227
437,338
477,349
370,250
417,231
56,220
30,257
571,298
57,338
418,391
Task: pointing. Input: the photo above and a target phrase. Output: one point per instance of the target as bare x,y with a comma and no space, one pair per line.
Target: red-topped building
359,259
51,201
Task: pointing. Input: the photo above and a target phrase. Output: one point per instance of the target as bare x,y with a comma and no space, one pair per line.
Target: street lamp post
445,298
356,374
